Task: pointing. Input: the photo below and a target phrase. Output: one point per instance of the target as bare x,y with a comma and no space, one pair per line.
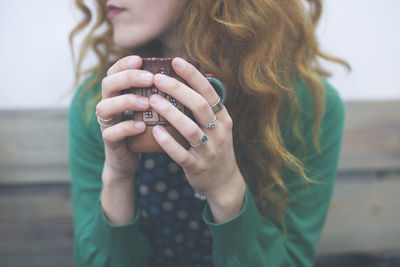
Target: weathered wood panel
35,226
36,217
34,143
371,140
364,216
36,221
33,146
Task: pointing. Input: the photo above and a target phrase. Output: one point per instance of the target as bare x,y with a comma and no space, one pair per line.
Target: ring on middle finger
210,124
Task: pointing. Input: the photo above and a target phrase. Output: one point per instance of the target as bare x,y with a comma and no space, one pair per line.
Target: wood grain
35,211
364,217
35,227
371,140
34,143
33,146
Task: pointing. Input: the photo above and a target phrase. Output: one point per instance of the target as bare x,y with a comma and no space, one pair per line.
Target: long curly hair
257,48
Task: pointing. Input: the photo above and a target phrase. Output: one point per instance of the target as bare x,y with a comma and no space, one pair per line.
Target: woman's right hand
120,161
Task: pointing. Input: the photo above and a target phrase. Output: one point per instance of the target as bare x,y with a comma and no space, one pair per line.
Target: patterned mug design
145,141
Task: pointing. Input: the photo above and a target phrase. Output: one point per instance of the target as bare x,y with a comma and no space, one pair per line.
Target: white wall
36,67
367,34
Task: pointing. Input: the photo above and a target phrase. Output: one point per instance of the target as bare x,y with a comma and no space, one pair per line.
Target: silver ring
211,124
203,140
103,122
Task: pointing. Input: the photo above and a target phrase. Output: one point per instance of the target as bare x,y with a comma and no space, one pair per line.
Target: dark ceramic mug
145,141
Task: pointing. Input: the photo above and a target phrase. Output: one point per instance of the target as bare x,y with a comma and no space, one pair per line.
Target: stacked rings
105,122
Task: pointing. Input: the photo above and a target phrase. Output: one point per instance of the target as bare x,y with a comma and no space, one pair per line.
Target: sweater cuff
116,238
241,227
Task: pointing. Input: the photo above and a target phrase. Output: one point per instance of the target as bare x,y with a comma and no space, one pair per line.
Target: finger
112,85
187,127
110,107
129,62
178,153
186,96
120,131
195,79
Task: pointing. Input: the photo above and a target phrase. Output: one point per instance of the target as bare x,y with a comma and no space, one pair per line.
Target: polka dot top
171,230
171,214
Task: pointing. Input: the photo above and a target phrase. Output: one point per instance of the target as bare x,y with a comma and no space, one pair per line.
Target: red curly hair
257,48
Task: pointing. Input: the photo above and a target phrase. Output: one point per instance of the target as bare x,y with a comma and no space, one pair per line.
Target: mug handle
218,86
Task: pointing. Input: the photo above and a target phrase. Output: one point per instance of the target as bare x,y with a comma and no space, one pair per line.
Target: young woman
264,175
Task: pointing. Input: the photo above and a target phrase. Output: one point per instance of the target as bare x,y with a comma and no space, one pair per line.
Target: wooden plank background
364,216
33,146
36,226
371,139
35,213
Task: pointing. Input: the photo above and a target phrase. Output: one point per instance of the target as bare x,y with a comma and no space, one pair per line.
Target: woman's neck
167,45
172,45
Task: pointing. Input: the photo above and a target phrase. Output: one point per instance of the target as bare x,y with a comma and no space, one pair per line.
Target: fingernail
180,63
156,99
160,78
147,77
139,125
144,101
158,131
132,62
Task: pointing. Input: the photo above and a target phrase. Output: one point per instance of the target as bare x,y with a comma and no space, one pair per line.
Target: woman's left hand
210,168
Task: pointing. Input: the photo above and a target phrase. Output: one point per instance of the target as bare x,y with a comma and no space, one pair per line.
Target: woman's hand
120,161
210,168
117,194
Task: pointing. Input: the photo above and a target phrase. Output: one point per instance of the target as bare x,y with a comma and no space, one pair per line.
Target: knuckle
125,78
107,86
125,101
99,108
219,140
128,77
212,155
203,106
229,123
201,167
184,160
132,100
112,68
193,134
107,137
104,83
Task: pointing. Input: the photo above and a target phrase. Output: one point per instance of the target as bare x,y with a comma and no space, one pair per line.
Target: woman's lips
114,11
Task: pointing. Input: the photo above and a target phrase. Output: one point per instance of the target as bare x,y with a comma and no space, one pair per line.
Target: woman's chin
126,41
126,44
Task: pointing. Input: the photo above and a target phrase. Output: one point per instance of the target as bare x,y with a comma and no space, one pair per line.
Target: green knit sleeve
250,239
96,241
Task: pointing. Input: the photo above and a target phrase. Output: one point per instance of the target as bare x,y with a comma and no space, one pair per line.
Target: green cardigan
248,239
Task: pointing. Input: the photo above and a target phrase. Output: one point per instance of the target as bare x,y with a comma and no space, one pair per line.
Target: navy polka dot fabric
171,214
